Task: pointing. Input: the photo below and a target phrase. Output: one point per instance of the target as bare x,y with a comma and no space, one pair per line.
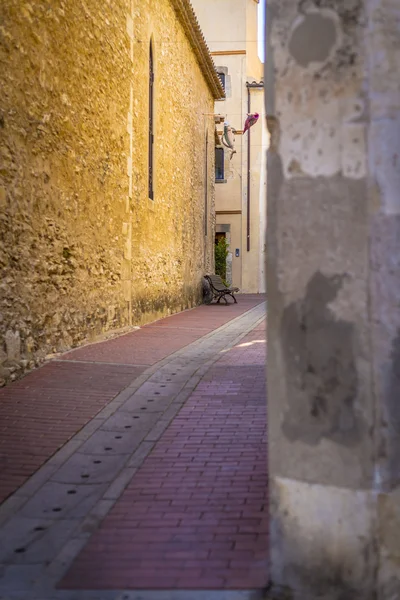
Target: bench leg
222,297
231,295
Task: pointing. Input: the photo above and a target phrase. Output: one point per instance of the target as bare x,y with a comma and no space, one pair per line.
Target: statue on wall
228,138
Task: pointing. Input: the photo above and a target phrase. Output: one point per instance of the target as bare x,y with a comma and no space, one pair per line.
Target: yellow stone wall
82,248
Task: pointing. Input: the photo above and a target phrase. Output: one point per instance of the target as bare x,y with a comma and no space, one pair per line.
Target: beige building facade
107,170
231,31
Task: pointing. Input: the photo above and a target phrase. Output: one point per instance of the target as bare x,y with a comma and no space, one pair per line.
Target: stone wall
82,248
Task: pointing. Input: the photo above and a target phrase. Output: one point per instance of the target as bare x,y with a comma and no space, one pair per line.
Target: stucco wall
82,248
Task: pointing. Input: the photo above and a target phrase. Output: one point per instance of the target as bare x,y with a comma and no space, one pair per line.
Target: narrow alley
151,457
158,157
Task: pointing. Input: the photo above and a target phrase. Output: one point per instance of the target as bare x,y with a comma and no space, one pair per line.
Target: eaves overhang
192,29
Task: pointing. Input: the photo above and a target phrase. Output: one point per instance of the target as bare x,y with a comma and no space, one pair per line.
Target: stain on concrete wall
313,39
321,367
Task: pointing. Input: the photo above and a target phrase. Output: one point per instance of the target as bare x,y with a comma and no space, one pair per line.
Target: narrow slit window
151,123
206,190
219,164
222,79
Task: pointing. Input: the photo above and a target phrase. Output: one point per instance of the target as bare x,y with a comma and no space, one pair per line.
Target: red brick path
40,413
195,514
157,340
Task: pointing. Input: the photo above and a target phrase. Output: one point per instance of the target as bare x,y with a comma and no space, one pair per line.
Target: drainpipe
249,86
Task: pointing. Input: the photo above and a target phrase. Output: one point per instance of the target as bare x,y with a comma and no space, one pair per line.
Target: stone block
63,500
85,469
13,345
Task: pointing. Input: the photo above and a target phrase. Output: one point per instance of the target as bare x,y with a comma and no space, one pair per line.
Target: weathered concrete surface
333,290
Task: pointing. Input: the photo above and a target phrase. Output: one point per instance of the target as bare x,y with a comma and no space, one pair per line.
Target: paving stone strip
49,519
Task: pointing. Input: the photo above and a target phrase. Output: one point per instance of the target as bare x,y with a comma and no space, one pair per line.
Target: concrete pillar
333,100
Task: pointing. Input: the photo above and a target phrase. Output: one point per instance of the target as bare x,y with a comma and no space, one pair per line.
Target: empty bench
219,290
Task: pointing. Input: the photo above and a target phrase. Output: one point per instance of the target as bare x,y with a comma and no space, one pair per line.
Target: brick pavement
40,413
155,341
195,514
